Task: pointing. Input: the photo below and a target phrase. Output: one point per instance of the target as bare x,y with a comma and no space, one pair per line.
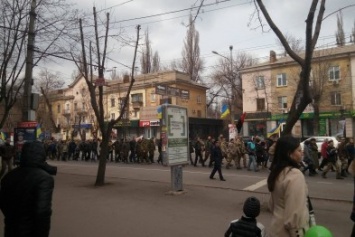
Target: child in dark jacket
247,225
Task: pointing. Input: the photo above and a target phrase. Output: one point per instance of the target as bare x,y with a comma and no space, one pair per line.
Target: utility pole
27,113
233,81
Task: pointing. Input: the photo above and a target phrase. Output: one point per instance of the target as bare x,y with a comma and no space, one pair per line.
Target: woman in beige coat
288,201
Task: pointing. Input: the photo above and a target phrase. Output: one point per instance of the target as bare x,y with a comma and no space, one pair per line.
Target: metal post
176,178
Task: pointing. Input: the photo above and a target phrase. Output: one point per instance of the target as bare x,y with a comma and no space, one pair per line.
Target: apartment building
269,89
73,112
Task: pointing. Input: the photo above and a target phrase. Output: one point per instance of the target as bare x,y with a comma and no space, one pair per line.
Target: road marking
256,186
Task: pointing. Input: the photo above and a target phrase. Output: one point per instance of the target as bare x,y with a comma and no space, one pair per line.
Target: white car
320,140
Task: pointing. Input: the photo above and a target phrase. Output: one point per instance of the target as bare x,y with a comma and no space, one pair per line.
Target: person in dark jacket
7,152
26,194
332,159
218,157
247,225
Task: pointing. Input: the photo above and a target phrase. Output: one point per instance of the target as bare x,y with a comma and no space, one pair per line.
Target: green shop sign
322,115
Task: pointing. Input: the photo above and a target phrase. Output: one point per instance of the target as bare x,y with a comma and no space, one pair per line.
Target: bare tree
352,35
295,44
53,17
227,81
149,62
96,91
191,62
303,95
339,34
45,83
146,58
156,62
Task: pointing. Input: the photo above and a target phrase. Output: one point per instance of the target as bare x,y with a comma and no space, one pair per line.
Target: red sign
144,123
30,124
100,81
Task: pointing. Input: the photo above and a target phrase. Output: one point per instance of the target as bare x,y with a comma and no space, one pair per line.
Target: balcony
81,111
66,112
137,104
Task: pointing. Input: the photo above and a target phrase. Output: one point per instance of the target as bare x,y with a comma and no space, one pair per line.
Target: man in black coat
218,157
26,194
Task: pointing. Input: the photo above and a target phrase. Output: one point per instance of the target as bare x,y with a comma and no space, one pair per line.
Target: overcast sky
220,24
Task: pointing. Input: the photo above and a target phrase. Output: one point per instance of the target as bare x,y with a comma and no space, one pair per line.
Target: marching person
217,156
332,157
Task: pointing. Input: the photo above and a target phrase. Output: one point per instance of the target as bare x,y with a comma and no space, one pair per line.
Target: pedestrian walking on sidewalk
217,156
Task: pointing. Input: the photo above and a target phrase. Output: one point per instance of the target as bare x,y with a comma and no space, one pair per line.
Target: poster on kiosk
174,135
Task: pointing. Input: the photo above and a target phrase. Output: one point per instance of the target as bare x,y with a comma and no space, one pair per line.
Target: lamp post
230,60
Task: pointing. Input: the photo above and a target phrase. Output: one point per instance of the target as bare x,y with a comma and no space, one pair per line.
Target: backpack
251,146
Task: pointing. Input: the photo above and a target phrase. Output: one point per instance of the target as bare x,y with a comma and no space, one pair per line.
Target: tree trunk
101,171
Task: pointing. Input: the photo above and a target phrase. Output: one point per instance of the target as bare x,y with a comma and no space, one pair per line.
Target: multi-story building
269,89
72,107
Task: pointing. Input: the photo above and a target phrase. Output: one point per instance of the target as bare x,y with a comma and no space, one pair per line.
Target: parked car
320,140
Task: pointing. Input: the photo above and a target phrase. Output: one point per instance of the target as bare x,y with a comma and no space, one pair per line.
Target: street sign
100,81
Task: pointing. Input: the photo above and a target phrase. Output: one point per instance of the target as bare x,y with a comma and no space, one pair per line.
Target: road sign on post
175,143
100,81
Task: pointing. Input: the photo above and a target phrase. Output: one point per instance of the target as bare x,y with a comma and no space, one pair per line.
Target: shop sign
144,123
155,123
30,124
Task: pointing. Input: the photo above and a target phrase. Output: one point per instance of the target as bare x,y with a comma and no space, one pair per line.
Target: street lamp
230,60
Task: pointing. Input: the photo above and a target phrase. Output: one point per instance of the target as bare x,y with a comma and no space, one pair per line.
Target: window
260,104
152,96
58,108
75,106
165,100
112,102
335,98
199,100
281,79
112,115
259,82
334,73
137,97
67,108
83,106
83,119
282,101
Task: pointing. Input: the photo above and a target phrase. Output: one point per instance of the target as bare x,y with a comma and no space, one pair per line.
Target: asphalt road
136,201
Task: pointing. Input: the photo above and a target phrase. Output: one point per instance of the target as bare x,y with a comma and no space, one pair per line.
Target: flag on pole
224,111
3,136
38,131
274,131
160,112
240,122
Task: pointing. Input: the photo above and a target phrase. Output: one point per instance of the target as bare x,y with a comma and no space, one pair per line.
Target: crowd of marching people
135,150
253,154
331,158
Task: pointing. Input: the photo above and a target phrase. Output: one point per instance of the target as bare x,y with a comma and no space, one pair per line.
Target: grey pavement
136,201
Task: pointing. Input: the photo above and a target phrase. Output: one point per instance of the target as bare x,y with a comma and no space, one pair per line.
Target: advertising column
174,135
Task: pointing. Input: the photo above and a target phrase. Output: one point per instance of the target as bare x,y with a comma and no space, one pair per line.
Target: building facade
269,89
73,112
